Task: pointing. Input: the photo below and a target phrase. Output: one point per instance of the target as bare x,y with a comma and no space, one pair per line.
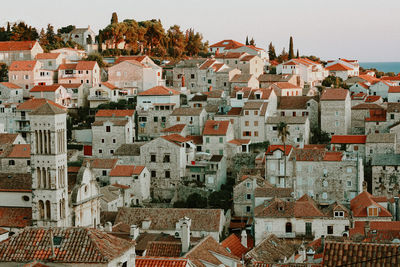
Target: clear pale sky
368,30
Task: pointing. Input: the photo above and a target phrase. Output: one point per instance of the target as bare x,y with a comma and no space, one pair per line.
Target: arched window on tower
48,210
44,178
41,209
39,177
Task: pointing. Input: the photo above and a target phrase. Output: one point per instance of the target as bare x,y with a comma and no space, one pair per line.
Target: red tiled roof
77,245
47,56
158,262
14,217
394,89
391,78
372,98
369,78
35,103
121,186
235,245
240,142
73,169
286,85
367,106
363,85
17,45
10,85
228,44
101,163
115,113
216,127
124,58
109,85
45,88
234,111
333,156
338,67
26,65
69,66
247,58
126,170
348,139
229,55
163,249
20,151
159,90
359,204
272,148
178,128
334,94
376,115
86,65
175,138
386,226
206,64
196,139
316,154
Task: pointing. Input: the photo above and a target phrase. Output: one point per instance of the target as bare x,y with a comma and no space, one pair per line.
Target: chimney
243,240
366,228
364,186
134,232
185,233
323,242
108,227
53,255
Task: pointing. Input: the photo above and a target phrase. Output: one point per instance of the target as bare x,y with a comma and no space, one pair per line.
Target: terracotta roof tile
334,94
272,148
115,113
86,65
158,262
360,203
35,103
69,66
10,85
372,98
101,163
17,45
163,249
286,85
367,106
239,142
109,85
166,218
115,122
234,244
7,138
178,128
159,90
394,89
293,102
126,170
176,139
338,67
26,65
77,245
15,182
20,151
124,58
74,169
45,88
348,139
45,56
228,44
212,127
196,139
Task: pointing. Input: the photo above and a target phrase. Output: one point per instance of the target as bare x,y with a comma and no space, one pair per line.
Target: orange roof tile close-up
126,170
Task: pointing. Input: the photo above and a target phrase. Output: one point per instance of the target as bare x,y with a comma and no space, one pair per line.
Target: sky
367,30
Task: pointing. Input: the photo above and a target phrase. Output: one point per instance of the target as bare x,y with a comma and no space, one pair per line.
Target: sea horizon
391,66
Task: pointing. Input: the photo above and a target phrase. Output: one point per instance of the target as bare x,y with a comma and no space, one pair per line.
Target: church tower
49,166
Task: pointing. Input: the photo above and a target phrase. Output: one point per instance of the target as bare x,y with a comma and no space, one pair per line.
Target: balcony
21,118
24,129
98,98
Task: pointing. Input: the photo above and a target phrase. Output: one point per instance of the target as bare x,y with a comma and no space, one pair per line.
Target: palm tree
283,133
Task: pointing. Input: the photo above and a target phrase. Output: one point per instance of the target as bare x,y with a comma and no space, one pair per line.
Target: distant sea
382,66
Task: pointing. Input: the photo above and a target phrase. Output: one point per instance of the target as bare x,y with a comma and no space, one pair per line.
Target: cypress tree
271,51
247,40
291,51
298,54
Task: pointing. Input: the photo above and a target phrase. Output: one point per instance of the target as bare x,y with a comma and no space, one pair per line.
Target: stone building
299,106
10,92
363,113
19,50
193,118
380,143
252,121
302,218
243,194
83,72
298,127
336,111
15,158
216,135
385,175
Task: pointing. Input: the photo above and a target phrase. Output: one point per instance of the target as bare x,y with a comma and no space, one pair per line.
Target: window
191,76
108,129
324,195
104,173
153,174
348,183
336,113
221,140
102,140
325,183
114,141
339,214
246,112
100,151
248,209
288,227
142,119
246,133
248,184
255,133
167,174
274,128
155,119
349,170
111,151
152,158
207,140
178,118
25,198
221,151
392,116
268,226
28,162
248,196
209,81
256,112
256,123
11,162
239,96
373,211
246,123
336,123
330,229
166,158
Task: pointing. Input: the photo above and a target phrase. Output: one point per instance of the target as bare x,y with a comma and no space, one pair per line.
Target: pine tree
114,18
271,52
291,51
247,40
297,54
252,42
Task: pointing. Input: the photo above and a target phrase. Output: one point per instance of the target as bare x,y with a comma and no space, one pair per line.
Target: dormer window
239,96
373,211
338,214
258,96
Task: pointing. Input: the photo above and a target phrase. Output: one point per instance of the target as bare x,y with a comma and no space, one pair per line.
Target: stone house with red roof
15,158
10,92
166,158
252,121
366,207
29,73
243,194
380,143
216,135
299,128
311,72
134,180
385,175
244,80
246,63
104,93
193,118
303,218
340,70
110,131
300,106
135,75
56,93
83,72
336,111
352,145
224,46
360,87
101,168
50,61
11,51
366,113
380,88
